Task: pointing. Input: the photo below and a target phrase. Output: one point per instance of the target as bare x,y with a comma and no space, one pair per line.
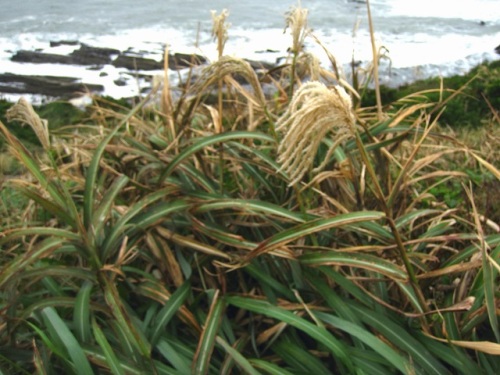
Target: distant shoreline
68,67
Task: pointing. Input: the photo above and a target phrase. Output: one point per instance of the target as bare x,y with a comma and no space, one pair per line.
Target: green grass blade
251,206
40,231
99,358
81,315
51,207
127,347
51,344
298,358
164,316
400,338
348,286
490,286
311,227
492,241
222,236
66,302
260,155
206,343
384,350
211,140
99,216
158,213
113,238
269,367
410,293
413,215
57,328
332,299
244,363
33,166
180,362
453,355
111,359
320,334
266,278
56,271
93,170
373,229
22,261
369,362
123,319
365,261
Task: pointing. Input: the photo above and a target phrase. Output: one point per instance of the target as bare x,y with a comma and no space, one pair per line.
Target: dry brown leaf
481,346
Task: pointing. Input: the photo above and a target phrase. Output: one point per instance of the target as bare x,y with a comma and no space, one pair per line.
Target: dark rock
268,51
36,57
95,67
87,55
260,65
99,51
103,74
137,63
497,49
61,87
120,82
183,60
58,43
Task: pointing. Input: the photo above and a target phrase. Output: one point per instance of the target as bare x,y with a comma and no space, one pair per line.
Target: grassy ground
288,234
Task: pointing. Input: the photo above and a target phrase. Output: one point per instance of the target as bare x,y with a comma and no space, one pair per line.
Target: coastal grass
193,238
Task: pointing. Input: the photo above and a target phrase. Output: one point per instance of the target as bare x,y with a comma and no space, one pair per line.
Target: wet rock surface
179,61
94,59
60,87
137,63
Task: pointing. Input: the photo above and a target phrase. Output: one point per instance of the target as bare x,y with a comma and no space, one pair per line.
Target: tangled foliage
278,234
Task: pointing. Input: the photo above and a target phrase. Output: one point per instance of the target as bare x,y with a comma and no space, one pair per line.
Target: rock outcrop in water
59,87
135,63
85,55
93,58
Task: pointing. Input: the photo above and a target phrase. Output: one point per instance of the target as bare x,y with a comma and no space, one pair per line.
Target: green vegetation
479,93
283,235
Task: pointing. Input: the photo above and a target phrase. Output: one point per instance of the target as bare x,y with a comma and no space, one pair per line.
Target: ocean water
419,38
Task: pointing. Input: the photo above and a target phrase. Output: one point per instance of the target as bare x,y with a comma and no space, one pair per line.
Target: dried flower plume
296,20
24,113
228,65
314,111
219,29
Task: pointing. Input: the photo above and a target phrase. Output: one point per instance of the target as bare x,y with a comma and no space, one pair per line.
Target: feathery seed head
23,112
229,65
314,111
219,29
296,20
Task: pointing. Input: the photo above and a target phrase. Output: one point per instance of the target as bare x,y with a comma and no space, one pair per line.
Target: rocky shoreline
91,59
132,65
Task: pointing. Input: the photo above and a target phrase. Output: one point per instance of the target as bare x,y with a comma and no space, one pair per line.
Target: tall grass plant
271,235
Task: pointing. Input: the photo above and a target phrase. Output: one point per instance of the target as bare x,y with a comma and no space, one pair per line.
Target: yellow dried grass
24,113
314,111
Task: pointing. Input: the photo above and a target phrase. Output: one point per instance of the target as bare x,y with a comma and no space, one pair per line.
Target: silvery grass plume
314,111
296,20
228,65
219,29
24,113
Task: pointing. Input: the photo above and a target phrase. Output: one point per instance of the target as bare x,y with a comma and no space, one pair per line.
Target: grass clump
286,236
474,107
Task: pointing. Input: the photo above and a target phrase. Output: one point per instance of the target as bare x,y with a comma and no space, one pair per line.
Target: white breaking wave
421,38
